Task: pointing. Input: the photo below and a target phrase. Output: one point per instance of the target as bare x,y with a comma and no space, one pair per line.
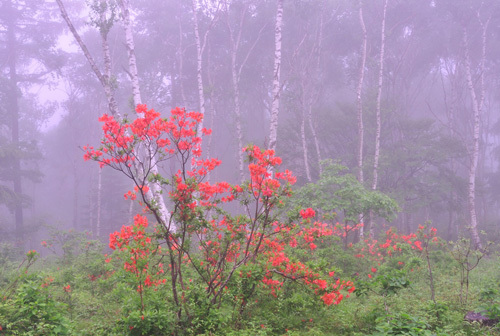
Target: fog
405,96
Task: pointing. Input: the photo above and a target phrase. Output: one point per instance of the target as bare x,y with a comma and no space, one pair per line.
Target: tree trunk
155,192
276,89
130,45
180,52
304,142
376,156
359,100
235,43
474,152
236,70
104,80
237,112
99,199
309,110
14,126
200,46
211,103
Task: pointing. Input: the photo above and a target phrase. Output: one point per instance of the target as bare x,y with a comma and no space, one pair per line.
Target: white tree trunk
180,52
474,152
276,89
236,70
237,112
235,43
130,45
104,80
359,100
359,94
200,46
314,136
379,99
376,156
309,108
154,195
477,106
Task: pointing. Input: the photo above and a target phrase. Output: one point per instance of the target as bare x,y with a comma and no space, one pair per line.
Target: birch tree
103,18
104,80
201,43
237,65
154,194
359,100
305,64
378,114
477,100
276,88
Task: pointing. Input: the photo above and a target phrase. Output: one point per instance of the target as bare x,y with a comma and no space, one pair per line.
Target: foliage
26,308
103,299
339,195
213,269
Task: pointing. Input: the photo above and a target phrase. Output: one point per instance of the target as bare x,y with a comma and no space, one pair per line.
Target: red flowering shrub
209,244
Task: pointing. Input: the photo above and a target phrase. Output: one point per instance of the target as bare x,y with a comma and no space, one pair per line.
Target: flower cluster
136,241
394,242
162,137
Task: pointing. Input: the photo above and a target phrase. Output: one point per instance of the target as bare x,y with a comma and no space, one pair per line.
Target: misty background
415,125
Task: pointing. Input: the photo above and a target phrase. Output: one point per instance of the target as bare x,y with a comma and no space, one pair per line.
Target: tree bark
304,144
276,89
104,80
180,51
130,45
14,125
200,48
99,198
376,156
309,108
236,70
477,105
155,192
359,102
235,43
199,63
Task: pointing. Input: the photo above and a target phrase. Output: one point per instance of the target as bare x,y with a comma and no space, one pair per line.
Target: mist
397,100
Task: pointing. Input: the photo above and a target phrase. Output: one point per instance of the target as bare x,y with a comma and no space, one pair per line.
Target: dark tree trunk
14,122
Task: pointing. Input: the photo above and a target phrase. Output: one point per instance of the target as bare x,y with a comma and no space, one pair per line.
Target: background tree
27,41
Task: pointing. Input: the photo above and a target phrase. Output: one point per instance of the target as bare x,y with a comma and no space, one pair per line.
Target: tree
27,41
477,108
359,101
376,156
235,39
276,87
339,196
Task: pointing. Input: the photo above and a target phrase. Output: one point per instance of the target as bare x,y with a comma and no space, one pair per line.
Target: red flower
307,213
418,244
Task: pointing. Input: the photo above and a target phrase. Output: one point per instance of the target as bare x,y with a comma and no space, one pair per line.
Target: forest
249,167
